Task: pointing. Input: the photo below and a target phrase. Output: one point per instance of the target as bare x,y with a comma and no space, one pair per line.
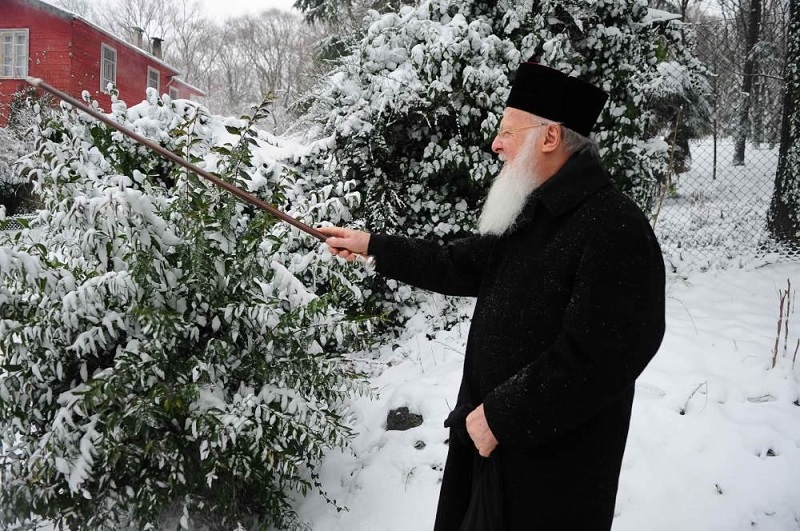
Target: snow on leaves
409,113
161,342
416,103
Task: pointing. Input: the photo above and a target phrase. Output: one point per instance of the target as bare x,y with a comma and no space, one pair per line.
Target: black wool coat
569,311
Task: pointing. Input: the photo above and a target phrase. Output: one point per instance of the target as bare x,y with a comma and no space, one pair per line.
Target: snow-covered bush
410,113
15,189
679,97
11,184
158,351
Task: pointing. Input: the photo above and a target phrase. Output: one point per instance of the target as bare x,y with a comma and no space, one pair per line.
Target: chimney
157,46
137,36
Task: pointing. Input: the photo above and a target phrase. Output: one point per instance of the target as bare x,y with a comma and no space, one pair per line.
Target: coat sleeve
612,327
452,269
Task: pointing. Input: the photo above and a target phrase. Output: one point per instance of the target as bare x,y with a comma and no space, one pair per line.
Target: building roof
187,84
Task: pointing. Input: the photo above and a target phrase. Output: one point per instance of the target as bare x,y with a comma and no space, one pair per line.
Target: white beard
508,194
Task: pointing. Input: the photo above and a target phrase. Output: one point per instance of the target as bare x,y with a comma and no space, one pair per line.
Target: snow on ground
730,462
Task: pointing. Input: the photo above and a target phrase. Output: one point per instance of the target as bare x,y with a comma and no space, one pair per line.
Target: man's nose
497,145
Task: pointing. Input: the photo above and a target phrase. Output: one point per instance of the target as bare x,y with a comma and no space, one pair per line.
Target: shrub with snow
15,189
158,350
410,113
11,184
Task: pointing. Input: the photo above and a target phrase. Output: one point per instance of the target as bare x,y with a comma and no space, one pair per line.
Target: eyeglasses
505,134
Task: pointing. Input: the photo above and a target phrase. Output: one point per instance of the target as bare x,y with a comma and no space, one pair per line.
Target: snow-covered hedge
15,189
10,151
159,351
410,112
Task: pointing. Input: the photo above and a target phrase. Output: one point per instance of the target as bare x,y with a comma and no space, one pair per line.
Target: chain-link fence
716,212
713,210
16,223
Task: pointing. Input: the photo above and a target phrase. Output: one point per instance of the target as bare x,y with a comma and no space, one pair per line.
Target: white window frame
151,70
17,66
104,81
174,93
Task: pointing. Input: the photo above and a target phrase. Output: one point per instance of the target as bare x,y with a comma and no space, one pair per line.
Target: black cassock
570,309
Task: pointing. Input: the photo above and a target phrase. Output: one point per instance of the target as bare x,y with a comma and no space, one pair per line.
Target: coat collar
579,178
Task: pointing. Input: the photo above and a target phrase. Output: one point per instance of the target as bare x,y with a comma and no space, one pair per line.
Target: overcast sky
223,9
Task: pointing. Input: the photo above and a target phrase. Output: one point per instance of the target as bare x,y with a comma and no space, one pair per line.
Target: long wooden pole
169,155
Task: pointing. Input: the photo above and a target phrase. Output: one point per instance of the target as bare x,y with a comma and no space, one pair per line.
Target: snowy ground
730,462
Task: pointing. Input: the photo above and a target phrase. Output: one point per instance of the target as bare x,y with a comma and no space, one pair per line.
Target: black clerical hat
548,93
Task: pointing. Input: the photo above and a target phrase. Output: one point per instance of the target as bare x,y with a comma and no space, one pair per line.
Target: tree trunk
753,34
783,219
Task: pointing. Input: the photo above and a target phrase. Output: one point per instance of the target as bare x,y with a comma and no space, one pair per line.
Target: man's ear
552,138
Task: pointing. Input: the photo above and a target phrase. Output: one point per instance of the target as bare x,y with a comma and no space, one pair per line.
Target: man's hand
346,243
480,433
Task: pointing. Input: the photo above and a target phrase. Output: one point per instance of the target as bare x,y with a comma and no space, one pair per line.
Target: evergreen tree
410,113
680,104
158,350
784,213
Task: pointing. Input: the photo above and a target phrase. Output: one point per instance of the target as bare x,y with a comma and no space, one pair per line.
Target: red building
72,54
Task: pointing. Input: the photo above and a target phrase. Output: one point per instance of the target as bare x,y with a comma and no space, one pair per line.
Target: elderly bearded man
569,281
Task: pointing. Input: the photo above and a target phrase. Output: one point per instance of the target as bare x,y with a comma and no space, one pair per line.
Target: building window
108,67
153,78
14,53
173,93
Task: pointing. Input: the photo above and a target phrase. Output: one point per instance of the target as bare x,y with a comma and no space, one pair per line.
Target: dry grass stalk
784,311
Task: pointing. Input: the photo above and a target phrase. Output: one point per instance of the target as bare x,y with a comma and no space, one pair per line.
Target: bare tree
79,7
769,86
229,85
275,44
747,69
784,214
156,18
195,44
751,17
270,54
237,64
